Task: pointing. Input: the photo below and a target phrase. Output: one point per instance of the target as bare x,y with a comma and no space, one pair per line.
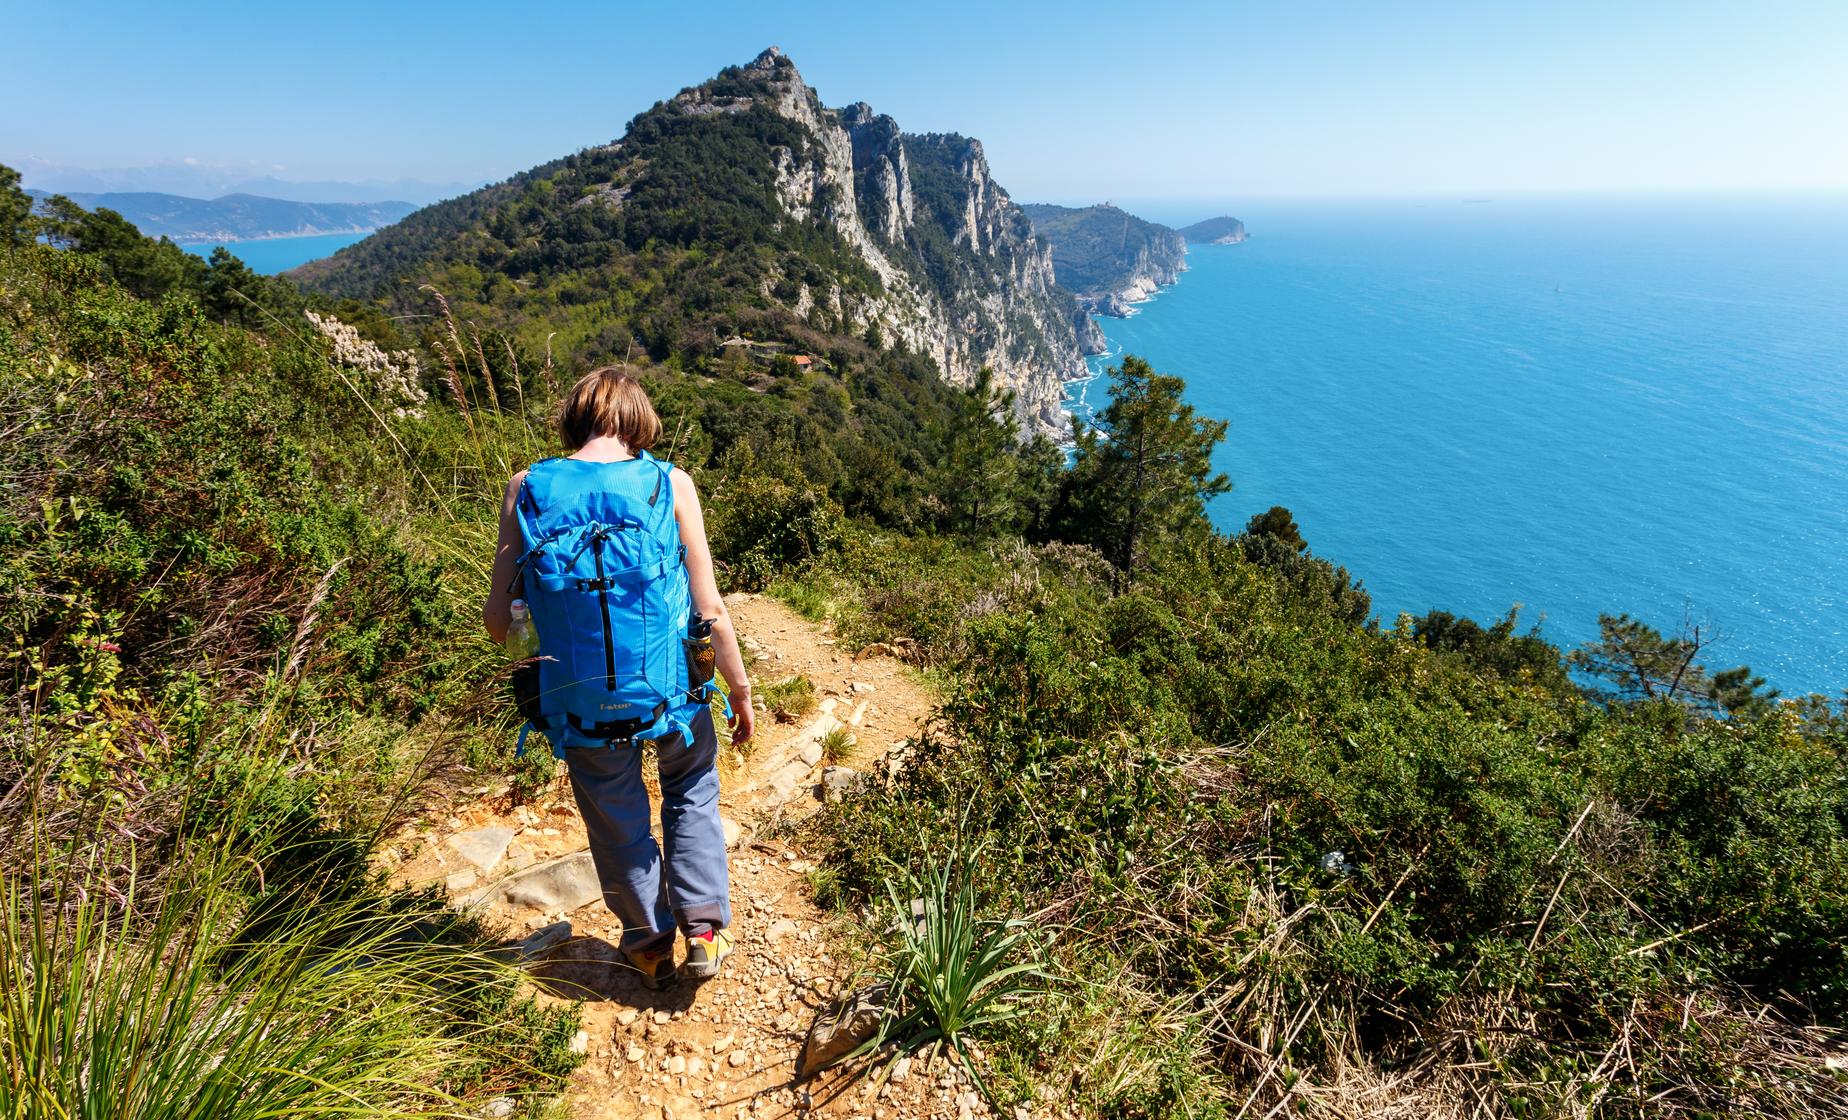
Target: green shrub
1250,801
761,527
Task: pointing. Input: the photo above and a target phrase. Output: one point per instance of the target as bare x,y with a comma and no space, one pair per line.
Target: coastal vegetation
1270,853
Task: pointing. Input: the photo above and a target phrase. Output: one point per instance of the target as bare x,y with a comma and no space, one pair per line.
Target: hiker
607,545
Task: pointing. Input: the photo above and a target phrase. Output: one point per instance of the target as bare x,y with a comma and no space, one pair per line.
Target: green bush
760,527
1251,801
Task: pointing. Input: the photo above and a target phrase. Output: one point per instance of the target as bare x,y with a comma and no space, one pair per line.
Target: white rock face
1003,310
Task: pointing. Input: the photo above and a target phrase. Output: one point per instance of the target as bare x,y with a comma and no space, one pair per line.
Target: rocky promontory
819,226
1108,258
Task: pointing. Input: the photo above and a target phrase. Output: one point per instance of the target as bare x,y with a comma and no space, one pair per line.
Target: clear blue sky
1074,101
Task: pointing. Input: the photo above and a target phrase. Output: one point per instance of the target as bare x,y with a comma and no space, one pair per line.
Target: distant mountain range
239,217
195,180
1110,258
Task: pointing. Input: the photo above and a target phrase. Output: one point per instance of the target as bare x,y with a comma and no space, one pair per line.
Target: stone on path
544,940
482,847
781,928
839,1029
734,832
793,776
557,885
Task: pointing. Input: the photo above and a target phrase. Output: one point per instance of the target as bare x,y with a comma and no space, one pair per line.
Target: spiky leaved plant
951,972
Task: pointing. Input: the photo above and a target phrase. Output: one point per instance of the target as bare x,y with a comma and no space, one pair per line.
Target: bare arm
709,604
497,612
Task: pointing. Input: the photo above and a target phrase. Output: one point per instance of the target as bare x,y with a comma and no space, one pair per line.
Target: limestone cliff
961,275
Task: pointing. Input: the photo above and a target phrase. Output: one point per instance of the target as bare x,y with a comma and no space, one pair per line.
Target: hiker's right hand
743,717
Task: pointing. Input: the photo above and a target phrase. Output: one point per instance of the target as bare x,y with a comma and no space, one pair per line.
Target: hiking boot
705,953
656,966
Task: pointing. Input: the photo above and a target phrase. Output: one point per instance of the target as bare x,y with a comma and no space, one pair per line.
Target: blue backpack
606,581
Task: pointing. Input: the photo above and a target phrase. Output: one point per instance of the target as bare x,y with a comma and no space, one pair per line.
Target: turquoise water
279,254
1575,405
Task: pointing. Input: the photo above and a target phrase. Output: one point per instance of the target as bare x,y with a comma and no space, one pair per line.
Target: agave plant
951,972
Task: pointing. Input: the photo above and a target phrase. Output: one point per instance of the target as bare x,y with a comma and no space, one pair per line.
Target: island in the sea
1215,231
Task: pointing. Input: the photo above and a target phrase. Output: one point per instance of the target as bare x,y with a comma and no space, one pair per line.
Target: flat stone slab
482,847
792,777
555,886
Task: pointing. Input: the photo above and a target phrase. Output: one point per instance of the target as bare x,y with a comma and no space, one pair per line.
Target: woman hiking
607,548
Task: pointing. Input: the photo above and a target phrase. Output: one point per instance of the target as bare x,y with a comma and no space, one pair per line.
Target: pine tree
981,473
1142,477
15,210
1644,665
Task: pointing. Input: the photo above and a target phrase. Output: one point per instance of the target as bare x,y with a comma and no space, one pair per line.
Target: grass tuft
837,745
790,699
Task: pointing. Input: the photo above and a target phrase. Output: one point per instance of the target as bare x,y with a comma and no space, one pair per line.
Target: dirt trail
727,1047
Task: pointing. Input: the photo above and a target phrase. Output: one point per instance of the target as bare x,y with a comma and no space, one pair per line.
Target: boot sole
705,970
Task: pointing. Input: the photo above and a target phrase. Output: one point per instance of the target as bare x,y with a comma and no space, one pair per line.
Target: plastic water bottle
522,638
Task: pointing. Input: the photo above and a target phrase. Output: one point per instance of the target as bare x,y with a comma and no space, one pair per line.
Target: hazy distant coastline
238,217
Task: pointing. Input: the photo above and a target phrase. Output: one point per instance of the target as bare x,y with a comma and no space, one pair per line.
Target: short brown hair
608,402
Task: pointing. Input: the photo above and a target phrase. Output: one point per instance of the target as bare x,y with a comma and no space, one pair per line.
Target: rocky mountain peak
862,230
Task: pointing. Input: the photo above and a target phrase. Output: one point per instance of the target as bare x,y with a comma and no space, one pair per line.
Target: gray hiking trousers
694,893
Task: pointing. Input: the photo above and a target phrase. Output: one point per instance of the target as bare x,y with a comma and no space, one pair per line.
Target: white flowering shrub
391,376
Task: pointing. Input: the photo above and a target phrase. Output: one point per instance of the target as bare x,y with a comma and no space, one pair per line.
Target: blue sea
271,255
1577,405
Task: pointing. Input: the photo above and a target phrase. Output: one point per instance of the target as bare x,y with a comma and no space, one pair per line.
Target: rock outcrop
964,278
745,204
1108,258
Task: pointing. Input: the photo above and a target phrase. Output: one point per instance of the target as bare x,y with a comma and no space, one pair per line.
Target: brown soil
727,1047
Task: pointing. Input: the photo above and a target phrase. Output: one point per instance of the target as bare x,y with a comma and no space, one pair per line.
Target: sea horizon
1618,403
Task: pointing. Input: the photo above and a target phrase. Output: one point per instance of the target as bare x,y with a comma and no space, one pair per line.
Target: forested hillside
1108,257
1266,853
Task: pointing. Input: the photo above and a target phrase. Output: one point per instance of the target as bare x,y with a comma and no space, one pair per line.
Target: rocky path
728,1047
